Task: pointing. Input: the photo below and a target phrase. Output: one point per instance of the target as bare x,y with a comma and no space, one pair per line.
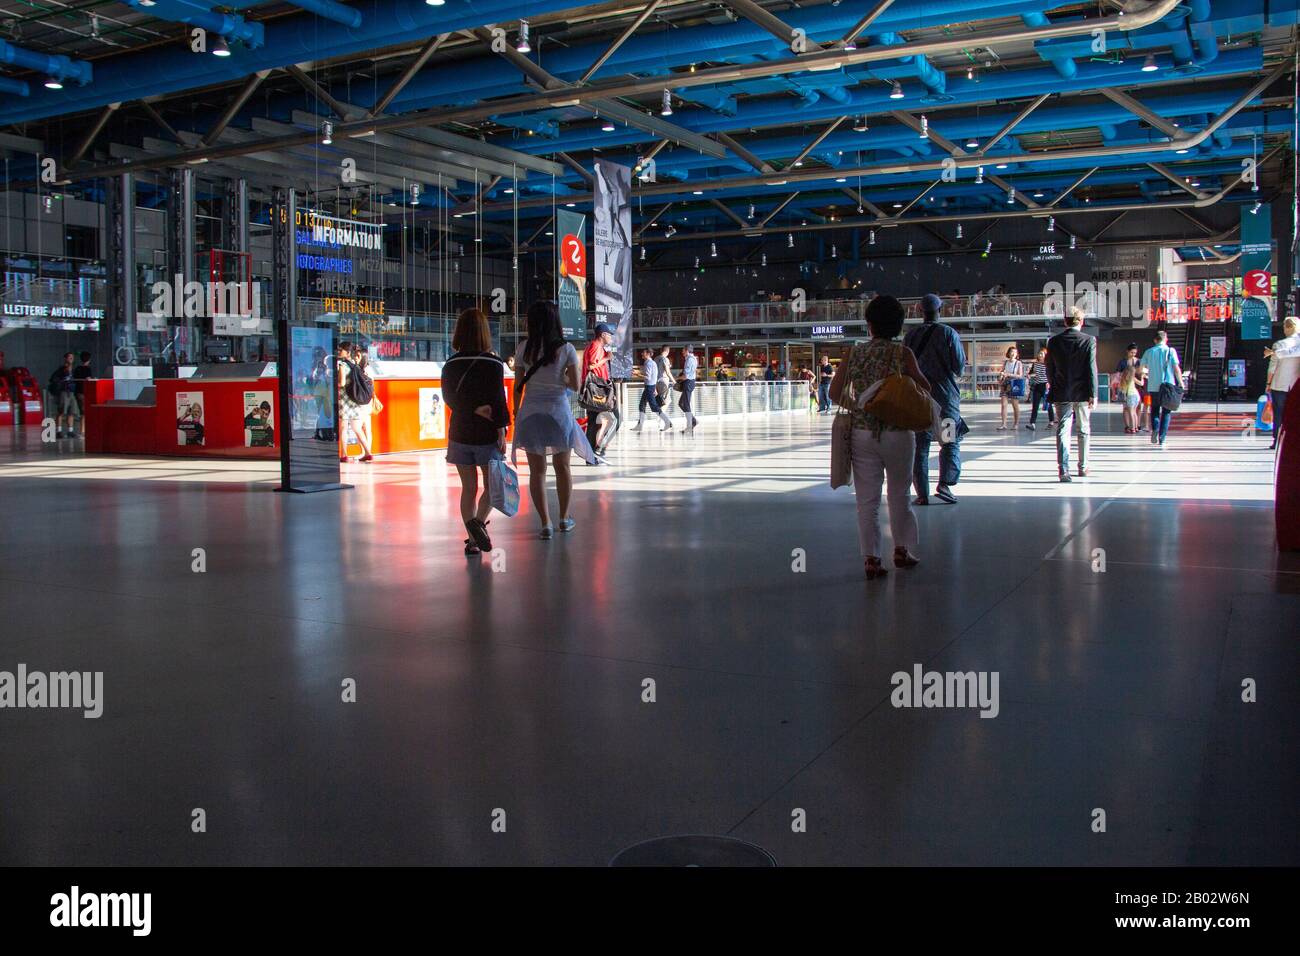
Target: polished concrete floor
521,689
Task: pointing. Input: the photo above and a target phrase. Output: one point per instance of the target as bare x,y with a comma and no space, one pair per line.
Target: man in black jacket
1072,378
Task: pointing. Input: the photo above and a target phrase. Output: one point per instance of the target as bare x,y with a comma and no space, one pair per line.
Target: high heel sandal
905,559
875,569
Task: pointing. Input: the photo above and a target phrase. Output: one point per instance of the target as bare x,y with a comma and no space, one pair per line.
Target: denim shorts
458,453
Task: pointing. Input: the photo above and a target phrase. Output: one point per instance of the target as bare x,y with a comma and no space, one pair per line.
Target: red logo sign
573,258
1257,282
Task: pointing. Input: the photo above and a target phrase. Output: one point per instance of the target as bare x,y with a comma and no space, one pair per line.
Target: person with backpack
879,450
63,393
599,397
544,424
942,360
356,395
473,385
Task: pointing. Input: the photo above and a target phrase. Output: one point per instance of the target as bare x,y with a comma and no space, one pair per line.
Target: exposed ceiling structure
742,118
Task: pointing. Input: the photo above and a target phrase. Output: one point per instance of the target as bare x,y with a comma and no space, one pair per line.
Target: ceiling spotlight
834,253
607,126
1253,209
220,47
925,127
765,259
667,108
509,191
1074,240
415,194
859,209
972,143
48,204
53,83
328,130
841,179
94,25
522,46
1254,187
896,91
670,232
958,230
1011,195
909,248
860,125
1051,224
432,3
988,247
850,45
970,72
570,205
1181,152
1149,64
751,210
1038,194
871,238
1002,166
979,174
789,240
713,249
643,253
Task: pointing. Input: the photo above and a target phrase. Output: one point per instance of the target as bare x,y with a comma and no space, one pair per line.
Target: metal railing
713,400
850,311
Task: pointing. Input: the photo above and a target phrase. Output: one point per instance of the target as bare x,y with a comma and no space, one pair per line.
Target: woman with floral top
880,451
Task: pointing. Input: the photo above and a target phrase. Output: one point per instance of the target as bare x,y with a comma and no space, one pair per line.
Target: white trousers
888,459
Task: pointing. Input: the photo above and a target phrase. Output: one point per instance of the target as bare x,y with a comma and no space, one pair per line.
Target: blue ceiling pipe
872,101
656,52
329,9
15,87
56,65
290,39
196,13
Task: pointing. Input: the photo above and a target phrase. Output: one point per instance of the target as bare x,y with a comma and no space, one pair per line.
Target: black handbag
596,395
1171,396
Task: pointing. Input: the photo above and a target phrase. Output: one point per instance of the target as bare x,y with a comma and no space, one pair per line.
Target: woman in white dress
1012,370
546,373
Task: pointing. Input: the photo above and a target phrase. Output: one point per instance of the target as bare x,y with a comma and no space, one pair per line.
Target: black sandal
478,531
471,548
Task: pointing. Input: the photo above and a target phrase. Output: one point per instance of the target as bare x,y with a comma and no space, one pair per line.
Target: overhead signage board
63,318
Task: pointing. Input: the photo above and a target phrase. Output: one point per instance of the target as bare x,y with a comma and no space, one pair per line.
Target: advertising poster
613,252
312,398
571,273
433,420
189,418
259,419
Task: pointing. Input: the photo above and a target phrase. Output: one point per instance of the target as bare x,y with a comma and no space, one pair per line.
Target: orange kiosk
414,415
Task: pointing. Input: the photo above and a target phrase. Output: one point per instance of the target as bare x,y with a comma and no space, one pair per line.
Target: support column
119,211
180,253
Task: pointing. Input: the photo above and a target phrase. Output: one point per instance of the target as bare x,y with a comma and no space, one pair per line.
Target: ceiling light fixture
670,232
979,175
1149,64
958,230
925,127
607,126
328,130
1051,224
871,238
1074,240
860,126
220,47
667,108
765,260
522,46
896,91
789,240
53,83
713,250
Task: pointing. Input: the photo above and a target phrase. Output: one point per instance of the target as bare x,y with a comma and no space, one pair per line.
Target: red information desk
172,416
414,416
218,417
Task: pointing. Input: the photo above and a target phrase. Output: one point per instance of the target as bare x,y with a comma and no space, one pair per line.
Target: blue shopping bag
503,487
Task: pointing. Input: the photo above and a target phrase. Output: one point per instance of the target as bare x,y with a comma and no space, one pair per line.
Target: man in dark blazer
1072,378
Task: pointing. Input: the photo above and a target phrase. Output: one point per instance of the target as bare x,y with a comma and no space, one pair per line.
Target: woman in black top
473,385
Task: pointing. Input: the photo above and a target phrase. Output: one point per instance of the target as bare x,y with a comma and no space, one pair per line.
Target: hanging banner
571,273
613,247
1256,238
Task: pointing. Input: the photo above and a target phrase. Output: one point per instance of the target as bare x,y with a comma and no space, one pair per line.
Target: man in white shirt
1161,367
650,396
690,367
1283,369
